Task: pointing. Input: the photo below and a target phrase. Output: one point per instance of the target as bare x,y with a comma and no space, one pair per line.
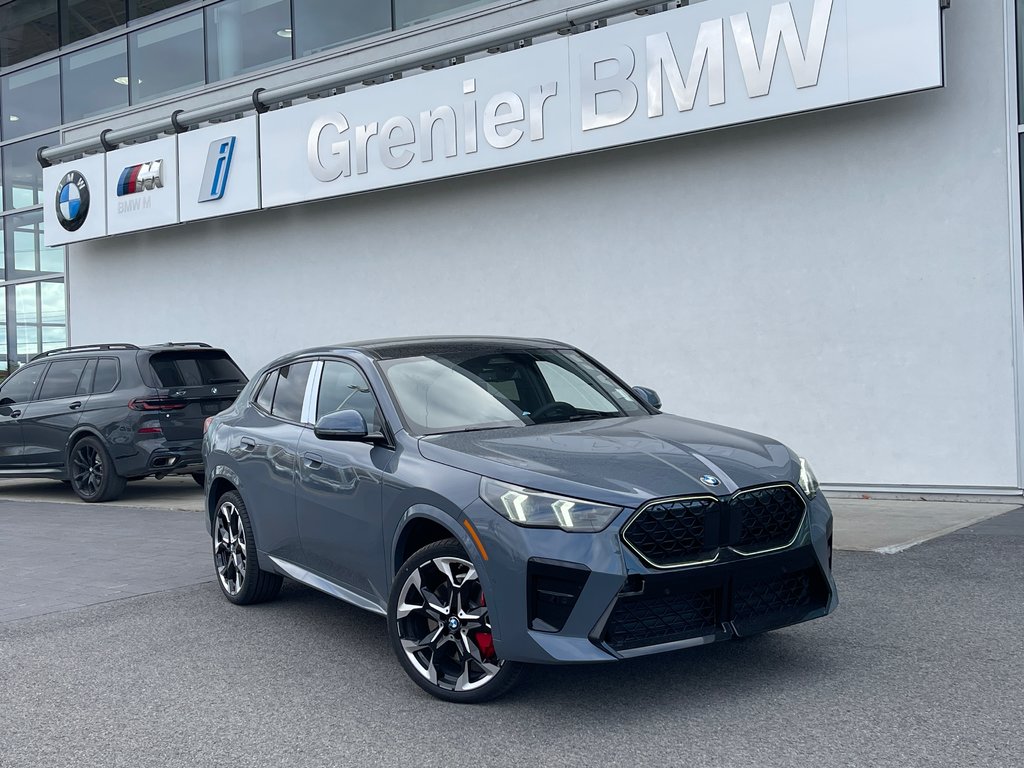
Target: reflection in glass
242,35
40,311
95,80
80,19
3,272
5,363
167,58
27,255
22,175
411,11
30,100
139,8
27,28
323,24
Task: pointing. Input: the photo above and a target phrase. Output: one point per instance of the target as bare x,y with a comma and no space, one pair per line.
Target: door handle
76,404
313,460
248,444
15,414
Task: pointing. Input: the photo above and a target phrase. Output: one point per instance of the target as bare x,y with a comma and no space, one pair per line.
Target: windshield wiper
591,416
476,429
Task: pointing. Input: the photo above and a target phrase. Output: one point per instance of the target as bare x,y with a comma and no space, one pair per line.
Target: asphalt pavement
920,666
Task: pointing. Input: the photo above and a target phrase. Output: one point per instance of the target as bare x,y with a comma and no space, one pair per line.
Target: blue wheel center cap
453,624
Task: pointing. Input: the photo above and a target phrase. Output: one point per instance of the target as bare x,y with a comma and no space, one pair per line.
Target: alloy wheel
229,550
443,625
87,470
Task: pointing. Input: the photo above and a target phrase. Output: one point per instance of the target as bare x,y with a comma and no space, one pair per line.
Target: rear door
193,384
48,421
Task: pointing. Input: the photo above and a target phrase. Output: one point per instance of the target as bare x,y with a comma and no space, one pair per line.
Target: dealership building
796,217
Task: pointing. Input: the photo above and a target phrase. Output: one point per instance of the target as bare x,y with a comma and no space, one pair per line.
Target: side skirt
310,579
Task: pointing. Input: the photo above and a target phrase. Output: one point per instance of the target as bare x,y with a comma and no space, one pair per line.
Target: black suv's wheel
93,476
440,630
241,579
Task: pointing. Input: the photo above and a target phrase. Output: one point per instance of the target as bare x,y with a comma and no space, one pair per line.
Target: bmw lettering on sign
72,201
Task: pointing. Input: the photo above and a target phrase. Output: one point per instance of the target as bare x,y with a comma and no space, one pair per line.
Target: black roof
389,349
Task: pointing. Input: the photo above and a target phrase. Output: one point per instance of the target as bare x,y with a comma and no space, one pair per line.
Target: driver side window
20,386
343,387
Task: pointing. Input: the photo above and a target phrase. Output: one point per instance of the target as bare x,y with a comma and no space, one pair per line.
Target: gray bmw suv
506,502
98,416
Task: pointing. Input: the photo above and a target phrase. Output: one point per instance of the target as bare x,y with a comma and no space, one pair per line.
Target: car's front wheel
440,628
92,472
241,579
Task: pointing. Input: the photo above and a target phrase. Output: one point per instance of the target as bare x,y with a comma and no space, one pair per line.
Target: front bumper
567,597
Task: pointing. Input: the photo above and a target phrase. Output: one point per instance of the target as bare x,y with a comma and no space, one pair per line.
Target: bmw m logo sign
72,201
139,178
710,480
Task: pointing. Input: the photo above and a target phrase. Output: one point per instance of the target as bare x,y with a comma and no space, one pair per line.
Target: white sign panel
218,170
74,203
142,189
709,65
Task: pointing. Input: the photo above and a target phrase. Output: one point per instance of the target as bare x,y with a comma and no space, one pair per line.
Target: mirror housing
341,425
648,396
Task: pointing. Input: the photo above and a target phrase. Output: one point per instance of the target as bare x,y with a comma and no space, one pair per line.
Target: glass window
411,11
291,388
40,316
321,24
242,35
566,387
61,379
30,100
84,18
27,28
139,8
167,58
195,368
265,399
343,387
20,386
22,174
26,253
3,269
108,371
95,80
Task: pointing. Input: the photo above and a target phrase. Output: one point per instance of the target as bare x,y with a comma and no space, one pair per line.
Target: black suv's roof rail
184,344
82,348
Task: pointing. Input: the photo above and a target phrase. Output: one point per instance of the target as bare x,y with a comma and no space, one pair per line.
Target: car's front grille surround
684,531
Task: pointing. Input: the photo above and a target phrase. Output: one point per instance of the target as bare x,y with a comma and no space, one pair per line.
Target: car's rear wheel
92,472
440,628
241,579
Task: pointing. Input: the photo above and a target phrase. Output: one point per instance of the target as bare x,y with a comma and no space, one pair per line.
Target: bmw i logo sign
72,201
710,480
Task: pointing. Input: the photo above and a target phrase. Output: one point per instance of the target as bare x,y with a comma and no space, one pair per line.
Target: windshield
452,392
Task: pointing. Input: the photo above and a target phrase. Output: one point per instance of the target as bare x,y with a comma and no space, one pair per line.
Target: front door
15,394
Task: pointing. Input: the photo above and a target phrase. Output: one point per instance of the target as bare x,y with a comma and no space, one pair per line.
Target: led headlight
808,482
543,510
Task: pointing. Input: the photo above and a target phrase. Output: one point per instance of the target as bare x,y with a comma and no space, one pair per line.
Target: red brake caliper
484,641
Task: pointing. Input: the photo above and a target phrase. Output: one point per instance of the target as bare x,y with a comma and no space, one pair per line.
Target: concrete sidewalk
886,526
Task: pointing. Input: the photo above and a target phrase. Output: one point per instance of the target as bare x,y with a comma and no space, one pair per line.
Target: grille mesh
768,517
671,531
642,621
759,599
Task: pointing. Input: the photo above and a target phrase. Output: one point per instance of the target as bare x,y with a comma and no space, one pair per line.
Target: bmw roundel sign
72,201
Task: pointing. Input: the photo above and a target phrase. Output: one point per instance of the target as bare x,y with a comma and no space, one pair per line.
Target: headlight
542,510
808,482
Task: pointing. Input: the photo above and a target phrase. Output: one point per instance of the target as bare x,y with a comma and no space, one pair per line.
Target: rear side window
195,368
61,379
20,385
291,388
265,398
108,371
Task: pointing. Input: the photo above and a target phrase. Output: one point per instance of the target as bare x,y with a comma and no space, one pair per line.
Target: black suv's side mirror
649,396
345,425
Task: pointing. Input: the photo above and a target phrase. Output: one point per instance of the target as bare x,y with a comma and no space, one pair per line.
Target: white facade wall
842,280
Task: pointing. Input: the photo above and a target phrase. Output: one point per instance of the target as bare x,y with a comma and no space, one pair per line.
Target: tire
92,473
239,575
200,478
454,662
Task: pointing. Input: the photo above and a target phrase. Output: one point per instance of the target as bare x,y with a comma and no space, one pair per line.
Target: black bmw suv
98,416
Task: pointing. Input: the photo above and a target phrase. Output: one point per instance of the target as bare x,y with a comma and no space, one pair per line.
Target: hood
623,461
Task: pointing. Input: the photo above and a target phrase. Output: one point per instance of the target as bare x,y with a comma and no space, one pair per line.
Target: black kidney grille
767,517
641,621
755,600
671,532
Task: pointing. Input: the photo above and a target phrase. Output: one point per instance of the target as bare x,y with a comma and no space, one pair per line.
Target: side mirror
341,425
649,396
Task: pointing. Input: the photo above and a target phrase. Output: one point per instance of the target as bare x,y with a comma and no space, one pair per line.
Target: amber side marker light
476,539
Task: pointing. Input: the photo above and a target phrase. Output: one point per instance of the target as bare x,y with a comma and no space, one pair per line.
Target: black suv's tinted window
195,368
291,387
61,379
107,373
20,385
343,387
